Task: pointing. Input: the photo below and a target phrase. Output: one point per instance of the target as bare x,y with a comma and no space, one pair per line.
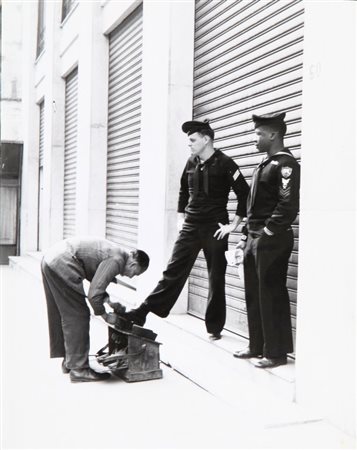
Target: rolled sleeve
104,275
240,188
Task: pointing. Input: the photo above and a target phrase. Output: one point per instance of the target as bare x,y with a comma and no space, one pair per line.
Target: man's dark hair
142,258
280,128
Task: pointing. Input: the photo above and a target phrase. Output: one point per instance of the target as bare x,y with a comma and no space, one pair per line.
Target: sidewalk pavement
41,409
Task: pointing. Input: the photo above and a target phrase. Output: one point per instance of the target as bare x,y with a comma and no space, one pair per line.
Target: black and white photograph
178,224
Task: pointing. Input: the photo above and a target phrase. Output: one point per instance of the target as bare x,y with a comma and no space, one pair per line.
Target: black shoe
64,367
137,315
246,353
118,308
269,363
214,336
82,375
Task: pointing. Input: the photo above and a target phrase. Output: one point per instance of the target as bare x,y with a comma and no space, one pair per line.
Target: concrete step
211,366
186,349
280,380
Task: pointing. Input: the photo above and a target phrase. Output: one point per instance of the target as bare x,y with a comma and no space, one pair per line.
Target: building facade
105,88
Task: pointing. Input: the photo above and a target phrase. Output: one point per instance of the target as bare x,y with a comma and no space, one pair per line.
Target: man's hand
241,245
116,306
224,230
180,221
110,318
239,254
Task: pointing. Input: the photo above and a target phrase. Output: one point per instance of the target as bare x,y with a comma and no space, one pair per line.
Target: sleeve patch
236,175
286,171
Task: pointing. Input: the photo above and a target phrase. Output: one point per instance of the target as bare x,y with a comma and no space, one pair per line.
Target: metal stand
133,354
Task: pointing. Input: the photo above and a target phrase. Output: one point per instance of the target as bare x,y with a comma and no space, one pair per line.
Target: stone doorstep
193,341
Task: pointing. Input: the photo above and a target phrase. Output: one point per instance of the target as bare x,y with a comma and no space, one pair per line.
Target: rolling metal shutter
248,58
124,124
40,174
42,132
70,154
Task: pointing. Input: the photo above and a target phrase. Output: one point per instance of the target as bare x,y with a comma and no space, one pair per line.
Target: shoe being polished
87,374
137,315
246,353
64,367
269,363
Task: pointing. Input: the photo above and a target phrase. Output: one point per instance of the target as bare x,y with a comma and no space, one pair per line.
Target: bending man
64,267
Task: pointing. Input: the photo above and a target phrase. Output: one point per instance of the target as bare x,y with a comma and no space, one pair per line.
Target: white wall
29,125
93,55
326,337
11,74
77,41
42,80
54,91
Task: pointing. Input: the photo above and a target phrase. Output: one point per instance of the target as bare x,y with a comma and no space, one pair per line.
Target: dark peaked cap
274,119
267,119
192,126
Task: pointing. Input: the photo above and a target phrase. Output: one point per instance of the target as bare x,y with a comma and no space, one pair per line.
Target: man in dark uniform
202,208
64,267
273,204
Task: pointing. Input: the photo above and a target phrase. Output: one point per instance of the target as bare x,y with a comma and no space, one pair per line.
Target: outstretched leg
164,296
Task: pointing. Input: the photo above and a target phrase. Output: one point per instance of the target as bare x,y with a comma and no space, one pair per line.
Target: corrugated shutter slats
42,133
70,154
248,58
124,125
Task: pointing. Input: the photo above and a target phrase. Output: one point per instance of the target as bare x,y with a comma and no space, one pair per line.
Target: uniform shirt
273,199
94,259
205,189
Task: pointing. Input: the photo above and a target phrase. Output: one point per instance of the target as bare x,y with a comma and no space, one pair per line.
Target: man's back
83,256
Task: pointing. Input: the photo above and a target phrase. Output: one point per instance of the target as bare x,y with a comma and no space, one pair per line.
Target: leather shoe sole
245,354
269,363
87,375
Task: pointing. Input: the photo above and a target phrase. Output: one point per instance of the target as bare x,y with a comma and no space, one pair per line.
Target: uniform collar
267,159
208,161
286,151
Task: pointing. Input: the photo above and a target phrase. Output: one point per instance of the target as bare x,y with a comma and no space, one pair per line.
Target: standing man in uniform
203,223
273,204
64,267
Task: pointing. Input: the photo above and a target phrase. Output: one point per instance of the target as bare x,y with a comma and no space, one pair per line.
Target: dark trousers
268,307
68,320
191,240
